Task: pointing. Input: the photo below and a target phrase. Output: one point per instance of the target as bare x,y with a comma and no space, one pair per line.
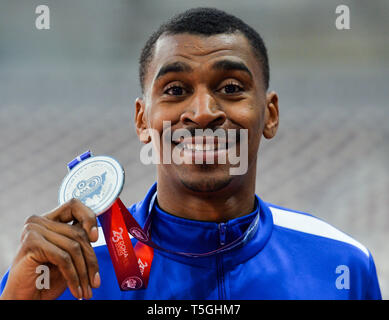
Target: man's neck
220,206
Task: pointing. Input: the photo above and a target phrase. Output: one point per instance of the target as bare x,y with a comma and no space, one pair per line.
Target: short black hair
205,21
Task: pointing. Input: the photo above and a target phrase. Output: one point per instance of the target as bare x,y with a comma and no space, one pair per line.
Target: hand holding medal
97,182
62,249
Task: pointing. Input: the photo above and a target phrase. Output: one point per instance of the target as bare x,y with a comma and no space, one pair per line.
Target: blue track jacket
292,255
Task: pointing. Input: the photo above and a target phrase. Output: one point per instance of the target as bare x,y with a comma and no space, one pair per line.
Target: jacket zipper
219,262
222,233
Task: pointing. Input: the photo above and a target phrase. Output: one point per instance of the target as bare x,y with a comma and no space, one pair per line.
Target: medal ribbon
131,265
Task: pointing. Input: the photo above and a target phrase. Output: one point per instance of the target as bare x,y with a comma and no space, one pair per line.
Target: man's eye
231,89
175,91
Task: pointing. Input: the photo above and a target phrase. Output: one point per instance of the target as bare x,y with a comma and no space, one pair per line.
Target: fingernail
79,293
89,292
96,280
94,234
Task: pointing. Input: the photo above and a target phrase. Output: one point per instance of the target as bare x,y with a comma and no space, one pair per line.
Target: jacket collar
184,235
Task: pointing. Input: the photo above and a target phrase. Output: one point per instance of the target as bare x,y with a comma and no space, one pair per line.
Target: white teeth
199,147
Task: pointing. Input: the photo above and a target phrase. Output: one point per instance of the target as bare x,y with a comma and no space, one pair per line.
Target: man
204,69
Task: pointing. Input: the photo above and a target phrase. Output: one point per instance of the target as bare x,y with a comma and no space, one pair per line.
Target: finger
73,248
72,210
44,251
76,234
79,234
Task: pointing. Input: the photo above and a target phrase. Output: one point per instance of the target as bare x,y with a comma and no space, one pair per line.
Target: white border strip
312,225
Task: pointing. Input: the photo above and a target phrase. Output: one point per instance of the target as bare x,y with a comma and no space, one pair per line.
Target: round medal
96,182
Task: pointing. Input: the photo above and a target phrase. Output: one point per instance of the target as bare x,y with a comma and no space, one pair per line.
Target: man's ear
271,115
140,121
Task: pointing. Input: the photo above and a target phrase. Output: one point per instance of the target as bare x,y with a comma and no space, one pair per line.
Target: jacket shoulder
309,224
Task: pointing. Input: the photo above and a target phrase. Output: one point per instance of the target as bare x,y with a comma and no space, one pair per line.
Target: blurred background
72,88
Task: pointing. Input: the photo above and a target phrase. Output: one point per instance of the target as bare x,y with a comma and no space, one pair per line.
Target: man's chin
207,185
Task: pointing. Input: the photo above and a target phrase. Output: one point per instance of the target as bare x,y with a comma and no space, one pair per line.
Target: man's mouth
204,149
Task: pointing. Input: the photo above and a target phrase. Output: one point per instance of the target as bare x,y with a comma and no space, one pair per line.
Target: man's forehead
202,44
201,48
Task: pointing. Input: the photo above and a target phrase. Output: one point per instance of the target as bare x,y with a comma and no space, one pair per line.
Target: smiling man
209,77
202,70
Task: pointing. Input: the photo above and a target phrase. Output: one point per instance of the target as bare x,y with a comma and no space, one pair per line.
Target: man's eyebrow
173,67
230,65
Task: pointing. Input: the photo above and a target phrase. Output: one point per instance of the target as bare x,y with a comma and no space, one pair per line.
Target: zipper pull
222,233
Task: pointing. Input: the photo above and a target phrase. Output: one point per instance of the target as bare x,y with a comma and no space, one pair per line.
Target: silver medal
96,182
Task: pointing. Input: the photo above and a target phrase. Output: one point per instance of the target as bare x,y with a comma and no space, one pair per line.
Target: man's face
199,82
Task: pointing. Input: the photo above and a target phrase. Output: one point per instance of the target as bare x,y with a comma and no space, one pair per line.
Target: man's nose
204,111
